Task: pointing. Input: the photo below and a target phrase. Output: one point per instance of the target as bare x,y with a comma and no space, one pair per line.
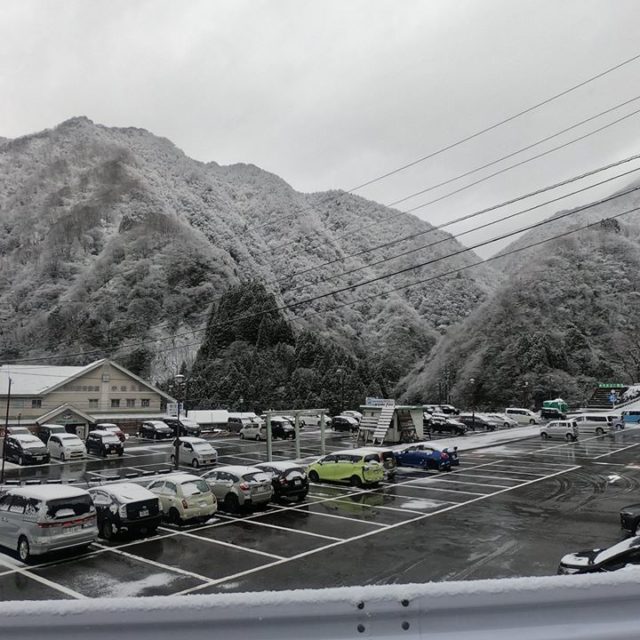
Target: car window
54,439
170,487
66,507
156,485
255,477
194,487
330,458
18,504
5,501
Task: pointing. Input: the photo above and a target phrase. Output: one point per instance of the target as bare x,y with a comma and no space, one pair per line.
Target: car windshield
193,487
31,444
69,438
110,439
256,477
202,446
617,549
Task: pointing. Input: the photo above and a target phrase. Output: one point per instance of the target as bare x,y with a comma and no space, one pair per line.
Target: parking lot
510,509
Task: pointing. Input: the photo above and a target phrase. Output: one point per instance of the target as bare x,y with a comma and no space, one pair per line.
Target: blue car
423,456
453,455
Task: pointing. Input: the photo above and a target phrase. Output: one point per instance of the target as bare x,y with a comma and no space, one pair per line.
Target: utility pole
179,380
6,430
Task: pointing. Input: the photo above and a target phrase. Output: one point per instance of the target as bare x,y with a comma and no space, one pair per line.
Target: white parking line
464,474
275,526
305,554
448,481
376,506
617,451
430,488
334,515
52,585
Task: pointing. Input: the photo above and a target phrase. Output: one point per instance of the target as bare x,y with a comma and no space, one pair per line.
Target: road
509,510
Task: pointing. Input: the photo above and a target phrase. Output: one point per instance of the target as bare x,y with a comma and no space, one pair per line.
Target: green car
346,467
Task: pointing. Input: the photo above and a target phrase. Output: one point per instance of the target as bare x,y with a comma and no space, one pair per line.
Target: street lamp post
179,381
341,372
472,381
6,429
525,394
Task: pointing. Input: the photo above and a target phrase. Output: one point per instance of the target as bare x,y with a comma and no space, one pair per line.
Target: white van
522,416
596,424
37,520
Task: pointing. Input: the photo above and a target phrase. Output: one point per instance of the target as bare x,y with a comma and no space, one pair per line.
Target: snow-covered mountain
113,236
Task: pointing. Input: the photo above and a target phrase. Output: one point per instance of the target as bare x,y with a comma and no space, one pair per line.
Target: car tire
302,496
313,476
599,431
62,457
231,503
151,531
174,517
242,436
23,549
156,436
505,425
257,438
569,437
20,460
544,436
104,453
106,530
172,459
194,463
532,421
355,481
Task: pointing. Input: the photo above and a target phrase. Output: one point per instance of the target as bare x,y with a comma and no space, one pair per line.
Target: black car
45,431
103,443
630,518
282,429
289,479
25,449
476,422
552,414
125,506
186,427
596,560
344,423
156,430
443,424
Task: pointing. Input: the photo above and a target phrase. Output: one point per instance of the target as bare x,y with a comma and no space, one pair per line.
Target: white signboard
379,402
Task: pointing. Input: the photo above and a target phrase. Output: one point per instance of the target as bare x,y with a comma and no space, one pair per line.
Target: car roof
281,465
180,477
365,450
48,492
107,424
238,469
101,432
26,437
192,440
127,490
159,423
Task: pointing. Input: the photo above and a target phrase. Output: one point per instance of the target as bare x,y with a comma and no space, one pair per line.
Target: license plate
202,504
72,530
297,482
144,513
38,458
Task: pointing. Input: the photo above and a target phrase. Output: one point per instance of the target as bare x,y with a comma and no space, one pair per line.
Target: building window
131,402
114,388
144,402
123,387
115,403
93,403
36,403
105,377
17,404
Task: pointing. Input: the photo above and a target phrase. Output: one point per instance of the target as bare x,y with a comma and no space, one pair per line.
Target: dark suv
630,519
476,422
289,479
186,427
102,443
25,449
552,414
155,429
45,431
443,424
344,423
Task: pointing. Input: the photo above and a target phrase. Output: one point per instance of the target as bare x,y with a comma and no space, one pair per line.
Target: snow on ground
465,443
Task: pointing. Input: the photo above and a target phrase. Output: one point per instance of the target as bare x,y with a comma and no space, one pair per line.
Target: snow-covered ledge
604,606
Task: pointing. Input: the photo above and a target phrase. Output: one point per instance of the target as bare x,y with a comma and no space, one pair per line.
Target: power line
463,233
465,139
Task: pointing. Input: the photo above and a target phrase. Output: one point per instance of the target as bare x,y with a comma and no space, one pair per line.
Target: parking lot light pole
6,429
179,380
322,426
472,381
341,372
269,443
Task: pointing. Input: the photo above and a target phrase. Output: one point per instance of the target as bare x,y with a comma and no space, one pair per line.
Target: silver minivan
196,452
37,520
596,424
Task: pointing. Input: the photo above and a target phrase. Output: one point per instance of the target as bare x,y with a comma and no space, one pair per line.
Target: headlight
122,511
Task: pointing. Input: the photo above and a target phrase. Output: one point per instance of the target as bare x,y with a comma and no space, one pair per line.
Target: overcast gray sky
330,93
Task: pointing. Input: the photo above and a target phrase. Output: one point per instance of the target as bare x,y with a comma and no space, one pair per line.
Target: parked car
279,429
237,486
507,421
292,421
344,423
25,449
550,413
104,443
475,421
155,430
196,452
441,423
449,409
422,456
184,497
383,455
596,424
497,423
114,428
452,453
183,427
596,560
66,446
289,479
564,429
40,519
353,414
45,431
347,467
127,507
313,419
236,423
522,416
630,518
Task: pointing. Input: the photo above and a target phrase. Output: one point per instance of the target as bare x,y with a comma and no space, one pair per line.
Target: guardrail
589,607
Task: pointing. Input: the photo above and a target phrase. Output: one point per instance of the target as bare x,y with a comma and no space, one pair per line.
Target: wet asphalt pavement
508,510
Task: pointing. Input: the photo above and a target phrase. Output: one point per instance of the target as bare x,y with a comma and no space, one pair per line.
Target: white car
564,429
195,451
507,421
353,414
596,424
184,497
522,416
66,446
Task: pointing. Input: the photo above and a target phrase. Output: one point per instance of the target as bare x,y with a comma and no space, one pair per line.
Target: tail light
185,504
244,486
444,456
283,481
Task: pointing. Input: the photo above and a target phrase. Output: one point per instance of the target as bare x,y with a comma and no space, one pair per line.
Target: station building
78,397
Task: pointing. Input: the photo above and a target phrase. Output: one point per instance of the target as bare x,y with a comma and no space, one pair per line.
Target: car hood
580,559
632,509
